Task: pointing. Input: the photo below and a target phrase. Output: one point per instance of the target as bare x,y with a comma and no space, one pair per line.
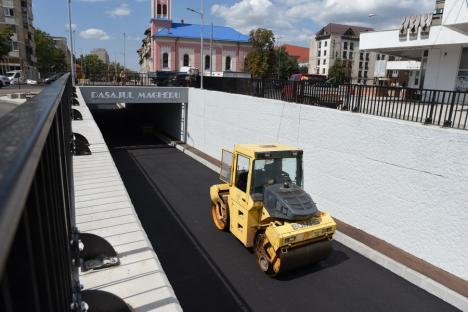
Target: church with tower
170,45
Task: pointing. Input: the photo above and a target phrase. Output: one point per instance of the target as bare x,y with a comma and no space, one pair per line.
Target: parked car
15,76
4,81
31,82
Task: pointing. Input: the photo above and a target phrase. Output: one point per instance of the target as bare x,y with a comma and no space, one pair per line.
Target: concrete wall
455,12
442,67
402,182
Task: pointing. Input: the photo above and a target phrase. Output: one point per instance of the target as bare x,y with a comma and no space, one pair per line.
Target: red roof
300,53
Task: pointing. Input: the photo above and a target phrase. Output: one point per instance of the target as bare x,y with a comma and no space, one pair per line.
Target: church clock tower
161,17
161,9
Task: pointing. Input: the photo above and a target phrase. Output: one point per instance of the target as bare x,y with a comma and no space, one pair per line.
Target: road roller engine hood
288,202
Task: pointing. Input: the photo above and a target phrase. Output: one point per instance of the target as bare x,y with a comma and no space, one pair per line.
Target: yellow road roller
262,202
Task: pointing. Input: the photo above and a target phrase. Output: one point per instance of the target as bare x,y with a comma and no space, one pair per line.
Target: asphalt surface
210,270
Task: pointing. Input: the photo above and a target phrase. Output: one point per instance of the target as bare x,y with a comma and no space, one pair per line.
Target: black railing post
429,119
448,122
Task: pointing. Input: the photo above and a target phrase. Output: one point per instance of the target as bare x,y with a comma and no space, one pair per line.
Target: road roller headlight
289,239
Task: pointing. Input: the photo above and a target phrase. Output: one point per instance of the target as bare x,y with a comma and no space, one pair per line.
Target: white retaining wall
402,182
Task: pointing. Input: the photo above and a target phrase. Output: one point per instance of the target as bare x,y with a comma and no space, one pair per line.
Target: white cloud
291,18
94,33
122,10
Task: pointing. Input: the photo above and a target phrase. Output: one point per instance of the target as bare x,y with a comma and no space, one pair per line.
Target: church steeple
161,9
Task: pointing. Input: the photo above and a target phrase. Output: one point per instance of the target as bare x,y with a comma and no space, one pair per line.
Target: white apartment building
438,40
341,42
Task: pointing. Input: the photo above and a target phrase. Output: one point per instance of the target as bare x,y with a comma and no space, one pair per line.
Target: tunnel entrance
143,120
150,110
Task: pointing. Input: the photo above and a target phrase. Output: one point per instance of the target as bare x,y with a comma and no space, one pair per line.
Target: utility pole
124,52
202,52
211,51
202,58
70,30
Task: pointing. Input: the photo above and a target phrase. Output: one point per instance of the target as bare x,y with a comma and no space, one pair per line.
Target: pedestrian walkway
103,207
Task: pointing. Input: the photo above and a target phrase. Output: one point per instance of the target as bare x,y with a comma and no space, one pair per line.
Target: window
360,65
324,62
9,12
319,44
159,9
365,74
344,54
14,46
367,56
207,62
361,56
323,71
242,173
278,171
186,60
382,57
367,66
345,45
228,63
351,55
319,53
318,62
325,53
165,60
164,10
359,74
426,53
351,46
378,57
326,43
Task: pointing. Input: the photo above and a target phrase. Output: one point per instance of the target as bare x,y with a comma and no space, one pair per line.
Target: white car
15,76
4,81
31,82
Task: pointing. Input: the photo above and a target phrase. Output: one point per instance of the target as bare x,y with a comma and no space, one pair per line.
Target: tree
5,42
260,62
49,57
286,65
340,72
92,65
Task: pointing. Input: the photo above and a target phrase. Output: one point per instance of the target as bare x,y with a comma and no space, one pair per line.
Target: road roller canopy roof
263,150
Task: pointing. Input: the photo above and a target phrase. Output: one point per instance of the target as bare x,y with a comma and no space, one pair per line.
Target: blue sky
101,23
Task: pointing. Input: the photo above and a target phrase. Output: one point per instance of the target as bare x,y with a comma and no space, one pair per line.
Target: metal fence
38,270
436,107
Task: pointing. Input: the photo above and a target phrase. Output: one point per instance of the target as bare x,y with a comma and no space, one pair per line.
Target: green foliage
286,65
5,42
261,61
340,72
92,65
49,57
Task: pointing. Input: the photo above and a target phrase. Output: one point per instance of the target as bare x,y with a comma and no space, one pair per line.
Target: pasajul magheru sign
129,94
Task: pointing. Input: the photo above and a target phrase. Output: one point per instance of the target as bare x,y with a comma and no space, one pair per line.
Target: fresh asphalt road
210,270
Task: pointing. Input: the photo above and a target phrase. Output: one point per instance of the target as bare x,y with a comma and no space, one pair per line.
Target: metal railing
436,107
166,79
38,269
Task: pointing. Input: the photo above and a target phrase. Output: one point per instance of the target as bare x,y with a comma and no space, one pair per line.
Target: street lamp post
70,30
202,59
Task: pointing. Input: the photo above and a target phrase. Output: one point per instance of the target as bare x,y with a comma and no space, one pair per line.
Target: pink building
176,45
